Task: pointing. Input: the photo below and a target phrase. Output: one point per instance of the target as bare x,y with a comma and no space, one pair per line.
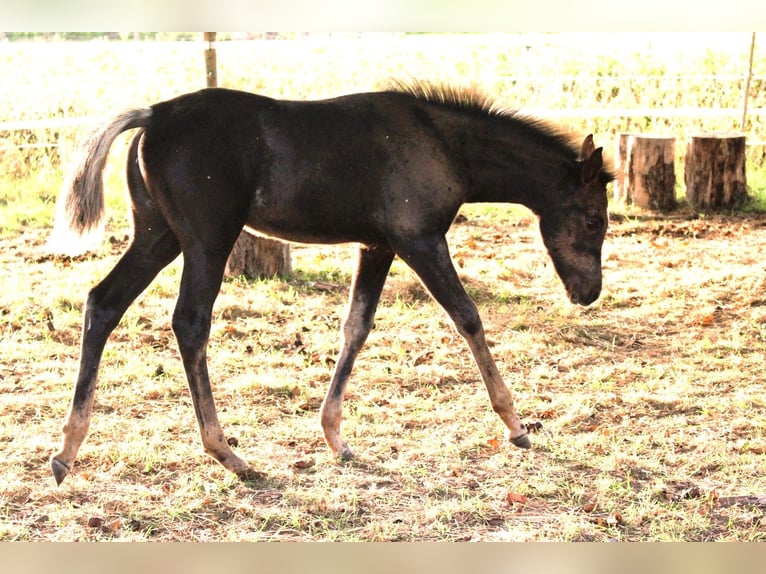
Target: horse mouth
584,297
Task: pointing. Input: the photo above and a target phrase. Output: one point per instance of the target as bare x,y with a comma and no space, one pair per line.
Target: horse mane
461,97
473,100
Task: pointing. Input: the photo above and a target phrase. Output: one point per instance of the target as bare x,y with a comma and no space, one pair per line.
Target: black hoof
346,455
250,474
60,470
522,441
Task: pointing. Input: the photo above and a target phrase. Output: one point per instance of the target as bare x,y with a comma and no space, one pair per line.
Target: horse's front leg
430,259
371,271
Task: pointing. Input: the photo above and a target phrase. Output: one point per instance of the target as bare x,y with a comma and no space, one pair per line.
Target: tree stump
258,257
646,175
714,170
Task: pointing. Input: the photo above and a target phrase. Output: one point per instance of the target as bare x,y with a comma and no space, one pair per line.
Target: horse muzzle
586,292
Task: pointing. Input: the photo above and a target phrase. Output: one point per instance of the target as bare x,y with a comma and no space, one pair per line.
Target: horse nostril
591,296
584,297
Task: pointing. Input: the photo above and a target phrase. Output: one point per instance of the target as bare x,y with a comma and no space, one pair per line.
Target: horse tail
83,195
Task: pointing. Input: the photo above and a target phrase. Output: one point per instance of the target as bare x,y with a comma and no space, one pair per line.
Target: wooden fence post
620,191
211,66
714,170
646,176
251,256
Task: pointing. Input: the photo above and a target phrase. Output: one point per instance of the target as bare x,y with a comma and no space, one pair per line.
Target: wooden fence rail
545,113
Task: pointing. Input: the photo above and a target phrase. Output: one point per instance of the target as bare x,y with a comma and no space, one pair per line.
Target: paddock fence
674,84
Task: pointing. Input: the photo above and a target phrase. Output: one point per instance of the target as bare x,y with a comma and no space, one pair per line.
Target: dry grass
651,400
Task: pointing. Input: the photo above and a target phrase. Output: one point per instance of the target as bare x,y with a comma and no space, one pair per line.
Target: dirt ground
650,402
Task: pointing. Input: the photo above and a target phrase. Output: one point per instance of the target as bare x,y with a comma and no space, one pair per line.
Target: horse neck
506,163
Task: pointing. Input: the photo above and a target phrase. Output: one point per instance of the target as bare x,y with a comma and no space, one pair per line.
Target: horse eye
593,223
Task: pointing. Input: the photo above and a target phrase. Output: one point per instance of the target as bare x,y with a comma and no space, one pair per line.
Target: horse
387,170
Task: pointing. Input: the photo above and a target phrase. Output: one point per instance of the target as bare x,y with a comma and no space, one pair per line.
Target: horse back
355,168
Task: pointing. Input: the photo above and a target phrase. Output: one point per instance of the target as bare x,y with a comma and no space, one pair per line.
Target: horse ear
587,148
592,165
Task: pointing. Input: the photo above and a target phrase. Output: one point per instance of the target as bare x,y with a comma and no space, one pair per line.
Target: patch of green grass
756,187
27,203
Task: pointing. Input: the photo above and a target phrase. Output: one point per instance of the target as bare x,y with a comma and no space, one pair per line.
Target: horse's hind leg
152,248
201,280
430,259
372,268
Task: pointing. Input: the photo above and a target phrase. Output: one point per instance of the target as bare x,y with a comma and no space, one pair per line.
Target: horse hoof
250,474
60,470
346,454
522,441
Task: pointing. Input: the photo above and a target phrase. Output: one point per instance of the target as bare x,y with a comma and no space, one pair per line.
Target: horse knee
469,324
99,317
96,300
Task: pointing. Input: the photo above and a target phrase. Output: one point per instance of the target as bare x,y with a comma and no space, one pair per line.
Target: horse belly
316,218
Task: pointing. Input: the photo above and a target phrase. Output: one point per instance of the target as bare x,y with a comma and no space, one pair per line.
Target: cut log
646,176
714,170
258,257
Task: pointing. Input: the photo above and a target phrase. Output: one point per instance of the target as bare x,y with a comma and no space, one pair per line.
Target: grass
650,400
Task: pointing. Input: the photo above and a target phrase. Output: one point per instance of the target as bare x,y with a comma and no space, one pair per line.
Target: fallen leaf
134,525
303,464
311,404
496,521
113,525
514,498
95,522
589,507
494,443
614,519
710,318
690,493
533,427
424,358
